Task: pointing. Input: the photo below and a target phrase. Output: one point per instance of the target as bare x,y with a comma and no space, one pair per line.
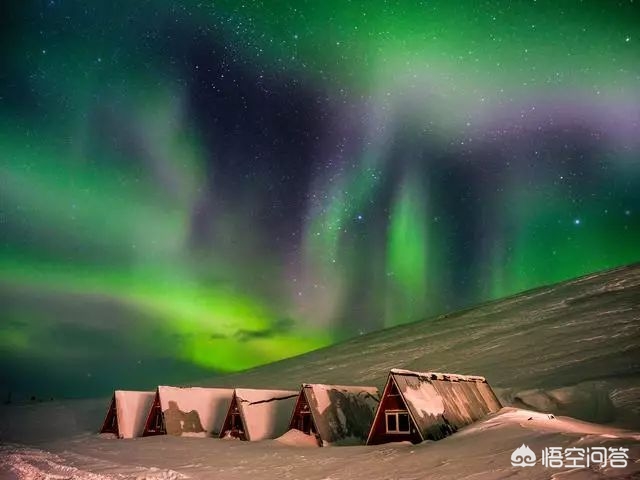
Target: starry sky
198,187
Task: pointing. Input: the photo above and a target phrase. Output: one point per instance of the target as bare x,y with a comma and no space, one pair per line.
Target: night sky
191,188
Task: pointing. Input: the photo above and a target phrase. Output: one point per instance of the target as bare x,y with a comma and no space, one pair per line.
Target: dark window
305,422
236,421
391,423
397,421
403,422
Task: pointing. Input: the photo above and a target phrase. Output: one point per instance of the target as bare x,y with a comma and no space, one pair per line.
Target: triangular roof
132,408
265,413
341,414
442,403
193,411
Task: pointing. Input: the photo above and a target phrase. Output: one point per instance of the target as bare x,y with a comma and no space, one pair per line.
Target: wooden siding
110,424
391,402
155,421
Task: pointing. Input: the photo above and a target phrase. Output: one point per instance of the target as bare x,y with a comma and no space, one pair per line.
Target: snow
297,438
342,414
322,393
479,451
132,409
454,377
547,422
425,400
530,346
255,395
42,423
209,404
265,413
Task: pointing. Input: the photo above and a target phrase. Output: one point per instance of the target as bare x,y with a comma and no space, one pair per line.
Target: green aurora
235,183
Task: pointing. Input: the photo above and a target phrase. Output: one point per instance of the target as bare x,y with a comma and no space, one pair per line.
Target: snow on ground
296,438
570,349
481,450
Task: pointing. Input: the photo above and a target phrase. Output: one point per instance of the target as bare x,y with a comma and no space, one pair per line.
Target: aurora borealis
205,186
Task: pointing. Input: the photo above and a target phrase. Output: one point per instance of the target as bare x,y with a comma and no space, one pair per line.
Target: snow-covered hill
569,349
572,348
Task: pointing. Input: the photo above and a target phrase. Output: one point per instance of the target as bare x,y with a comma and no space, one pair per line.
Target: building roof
265,413
132,409
179,403
454,377
441,403
342,414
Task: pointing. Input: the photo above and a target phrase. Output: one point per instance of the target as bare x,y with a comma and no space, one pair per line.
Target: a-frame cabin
154,424
335,414
418,406
188,411
302,418
110,424
126,414
258,414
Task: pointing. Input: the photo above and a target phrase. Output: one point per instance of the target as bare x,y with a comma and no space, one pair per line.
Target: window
113,424
304,422
397,421
236,421
158,425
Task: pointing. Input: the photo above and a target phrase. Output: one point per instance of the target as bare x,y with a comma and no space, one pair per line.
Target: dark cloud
279,327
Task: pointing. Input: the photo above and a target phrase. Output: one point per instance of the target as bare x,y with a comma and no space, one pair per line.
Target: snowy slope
572,349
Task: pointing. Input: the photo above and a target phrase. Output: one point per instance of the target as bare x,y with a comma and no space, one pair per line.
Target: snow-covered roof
132,409
454,377
265,413
194,410
342,414
442,403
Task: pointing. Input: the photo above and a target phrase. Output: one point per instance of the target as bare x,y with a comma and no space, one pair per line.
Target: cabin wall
379,433
155,420
231,420
302,419
110,424
295,417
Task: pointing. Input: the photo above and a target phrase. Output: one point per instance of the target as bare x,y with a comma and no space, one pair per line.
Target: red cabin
417,406
335,414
